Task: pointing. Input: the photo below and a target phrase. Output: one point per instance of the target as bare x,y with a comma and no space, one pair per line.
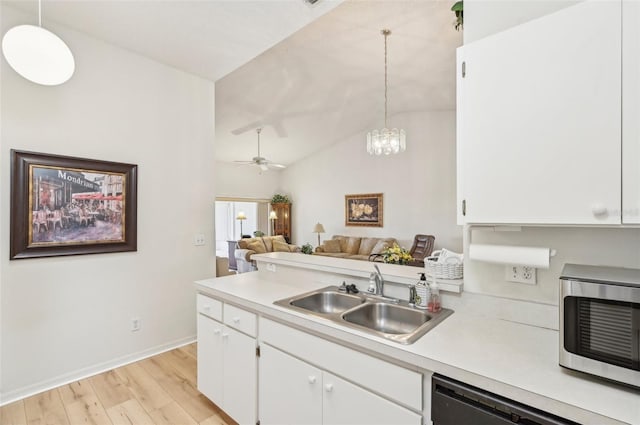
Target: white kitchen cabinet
294,392
631,112
347,404
539,120
290,390
210,362
227,365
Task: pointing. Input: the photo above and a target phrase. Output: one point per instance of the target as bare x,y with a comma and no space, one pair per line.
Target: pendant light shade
38,54
386,141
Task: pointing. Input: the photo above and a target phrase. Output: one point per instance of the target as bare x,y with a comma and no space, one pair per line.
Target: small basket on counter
451,268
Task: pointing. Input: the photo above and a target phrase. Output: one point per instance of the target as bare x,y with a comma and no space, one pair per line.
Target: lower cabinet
292,391
227,369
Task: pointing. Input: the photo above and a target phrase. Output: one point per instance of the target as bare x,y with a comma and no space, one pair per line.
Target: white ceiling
326,82
208,38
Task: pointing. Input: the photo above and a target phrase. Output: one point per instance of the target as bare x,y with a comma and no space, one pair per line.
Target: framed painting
363,210
62,205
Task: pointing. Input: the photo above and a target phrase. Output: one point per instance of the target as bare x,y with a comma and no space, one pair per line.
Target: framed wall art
62,205
363,210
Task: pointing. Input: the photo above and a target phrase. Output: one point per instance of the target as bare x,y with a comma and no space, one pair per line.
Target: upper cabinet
631,112
539,120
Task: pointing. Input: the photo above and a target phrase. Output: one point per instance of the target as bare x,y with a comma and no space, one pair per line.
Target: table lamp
318,228
273,217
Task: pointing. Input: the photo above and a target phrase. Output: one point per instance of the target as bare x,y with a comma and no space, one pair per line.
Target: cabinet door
239,376
210,364
631,111
290,390
345,403
540,120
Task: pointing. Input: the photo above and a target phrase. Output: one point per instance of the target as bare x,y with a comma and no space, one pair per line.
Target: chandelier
386,141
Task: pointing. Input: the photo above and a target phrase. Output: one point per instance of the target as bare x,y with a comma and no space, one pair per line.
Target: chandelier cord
386,34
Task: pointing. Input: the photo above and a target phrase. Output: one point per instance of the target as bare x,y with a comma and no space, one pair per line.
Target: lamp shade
38,55
273,216
241,216
318,228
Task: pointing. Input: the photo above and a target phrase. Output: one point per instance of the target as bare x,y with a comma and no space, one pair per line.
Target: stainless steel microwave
600,322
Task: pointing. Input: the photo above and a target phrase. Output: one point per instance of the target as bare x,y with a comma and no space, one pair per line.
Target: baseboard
20,393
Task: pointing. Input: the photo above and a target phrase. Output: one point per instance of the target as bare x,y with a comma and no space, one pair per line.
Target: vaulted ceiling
326,82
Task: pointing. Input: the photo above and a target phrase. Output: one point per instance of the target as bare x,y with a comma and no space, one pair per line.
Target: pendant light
38,54
386,141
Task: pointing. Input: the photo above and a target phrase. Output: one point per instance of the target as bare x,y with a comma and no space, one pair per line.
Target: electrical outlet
135,324
198,239
521,274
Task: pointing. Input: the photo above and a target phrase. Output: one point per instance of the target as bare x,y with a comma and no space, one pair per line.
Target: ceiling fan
260,161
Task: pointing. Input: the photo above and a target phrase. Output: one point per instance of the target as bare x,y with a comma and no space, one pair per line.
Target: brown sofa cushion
332,246
257,246
349,244
380,246
281,246
366,245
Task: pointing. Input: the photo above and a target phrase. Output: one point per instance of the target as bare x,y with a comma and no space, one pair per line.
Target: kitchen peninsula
514,360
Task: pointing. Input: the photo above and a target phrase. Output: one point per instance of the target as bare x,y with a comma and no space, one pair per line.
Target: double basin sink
391,319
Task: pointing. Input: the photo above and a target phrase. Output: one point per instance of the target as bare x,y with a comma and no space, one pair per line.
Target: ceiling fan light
38,55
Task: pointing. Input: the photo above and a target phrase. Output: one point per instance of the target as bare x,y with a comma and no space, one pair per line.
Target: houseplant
280,199
396,255
307,248
458,9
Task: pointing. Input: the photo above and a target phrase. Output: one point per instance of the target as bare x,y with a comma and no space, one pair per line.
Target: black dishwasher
455,403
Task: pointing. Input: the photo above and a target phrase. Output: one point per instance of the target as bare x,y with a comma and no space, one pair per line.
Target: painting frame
364,210
25,165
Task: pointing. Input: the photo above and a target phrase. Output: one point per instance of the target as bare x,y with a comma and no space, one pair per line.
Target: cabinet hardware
464,69
258,351
328,388
464,207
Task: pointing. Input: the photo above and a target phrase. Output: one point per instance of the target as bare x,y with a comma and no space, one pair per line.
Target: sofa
353,247
260,245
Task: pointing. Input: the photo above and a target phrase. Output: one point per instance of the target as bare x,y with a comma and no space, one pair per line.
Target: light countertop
511,359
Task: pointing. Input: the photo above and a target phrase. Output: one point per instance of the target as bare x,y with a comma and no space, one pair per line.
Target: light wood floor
159,390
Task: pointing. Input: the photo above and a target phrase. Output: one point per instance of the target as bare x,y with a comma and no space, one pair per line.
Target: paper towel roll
517,255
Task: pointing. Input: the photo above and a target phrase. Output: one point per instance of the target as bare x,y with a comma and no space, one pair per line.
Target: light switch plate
198,239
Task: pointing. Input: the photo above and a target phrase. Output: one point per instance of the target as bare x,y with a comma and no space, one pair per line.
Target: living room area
314,97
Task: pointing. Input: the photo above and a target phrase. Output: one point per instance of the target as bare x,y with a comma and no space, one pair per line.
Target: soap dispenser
422,292
434,305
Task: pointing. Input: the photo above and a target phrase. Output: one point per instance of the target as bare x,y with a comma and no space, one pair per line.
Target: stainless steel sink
327,301
382,317
387,318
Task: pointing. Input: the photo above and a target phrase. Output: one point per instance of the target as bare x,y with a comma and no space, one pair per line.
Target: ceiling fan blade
274,165
245,128
244,162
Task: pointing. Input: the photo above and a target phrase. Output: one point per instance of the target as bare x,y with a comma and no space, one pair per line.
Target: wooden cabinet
631,112
227,363
539,120
294,392
282,225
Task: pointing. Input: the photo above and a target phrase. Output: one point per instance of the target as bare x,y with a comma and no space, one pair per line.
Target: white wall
67,316
245,181
486,17
418,185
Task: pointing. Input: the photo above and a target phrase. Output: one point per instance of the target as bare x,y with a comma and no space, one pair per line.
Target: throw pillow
281,246
353,244
380,246
332,246
257,246
366,245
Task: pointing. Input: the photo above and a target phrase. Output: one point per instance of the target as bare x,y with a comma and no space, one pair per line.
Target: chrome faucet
379,280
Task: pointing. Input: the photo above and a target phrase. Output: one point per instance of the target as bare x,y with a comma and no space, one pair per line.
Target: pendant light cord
386,33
